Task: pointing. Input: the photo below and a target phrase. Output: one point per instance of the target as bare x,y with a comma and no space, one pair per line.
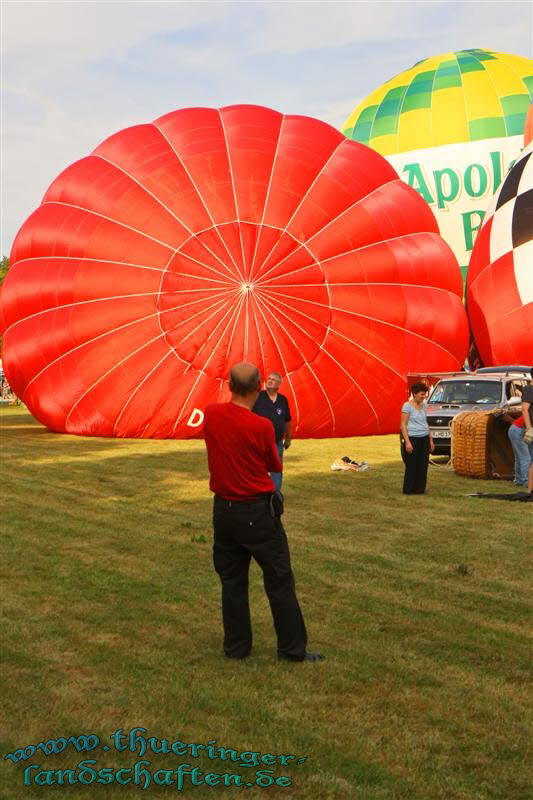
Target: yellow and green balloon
451,126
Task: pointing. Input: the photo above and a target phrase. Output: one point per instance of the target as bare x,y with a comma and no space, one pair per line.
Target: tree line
4,266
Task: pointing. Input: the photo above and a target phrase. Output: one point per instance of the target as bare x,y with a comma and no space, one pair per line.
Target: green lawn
112,621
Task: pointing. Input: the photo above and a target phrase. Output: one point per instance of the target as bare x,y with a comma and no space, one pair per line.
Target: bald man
241,452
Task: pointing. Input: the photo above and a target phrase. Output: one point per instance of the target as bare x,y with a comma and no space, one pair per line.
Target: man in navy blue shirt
275,407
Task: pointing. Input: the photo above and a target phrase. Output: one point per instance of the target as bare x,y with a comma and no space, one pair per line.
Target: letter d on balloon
196,418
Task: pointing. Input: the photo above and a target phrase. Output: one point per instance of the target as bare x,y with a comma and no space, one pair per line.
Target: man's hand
287,443
431,446
528,436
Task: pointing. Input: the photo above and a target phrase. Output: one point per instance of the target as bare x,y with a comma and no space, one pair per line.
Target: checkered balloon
499,292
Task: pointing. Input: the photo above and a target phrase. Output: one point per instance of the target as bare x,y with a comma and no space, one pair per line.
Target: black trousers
244,531
416,465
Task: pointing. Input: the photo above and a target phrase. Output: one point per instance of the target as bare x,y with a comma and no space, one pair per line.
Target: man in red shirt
241,451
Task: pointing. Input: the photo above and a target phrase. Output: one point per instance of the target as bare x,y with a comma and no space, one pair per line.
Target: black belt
260,498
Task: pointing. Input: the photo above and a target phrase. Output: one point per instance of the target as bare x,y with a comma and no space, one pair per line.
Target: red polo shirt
241,451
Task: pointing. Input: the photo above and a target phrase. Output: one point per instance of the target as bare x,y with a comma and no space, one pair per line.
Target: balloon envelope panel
500,275
181,247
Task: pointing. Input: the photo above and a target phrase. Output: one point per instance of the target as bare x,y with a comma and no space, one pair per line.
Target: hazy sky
75,72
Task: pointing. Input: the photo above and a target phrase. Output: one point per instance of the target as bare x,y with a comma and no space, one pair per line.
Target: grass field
112,621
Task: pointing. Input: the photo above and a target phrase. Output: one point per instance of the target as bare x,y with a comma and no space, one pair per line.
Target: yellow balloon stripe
449,120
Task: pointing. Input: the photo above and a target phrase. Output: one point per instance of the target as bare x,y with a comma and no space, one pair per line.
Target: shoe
237,658
313,657
306,657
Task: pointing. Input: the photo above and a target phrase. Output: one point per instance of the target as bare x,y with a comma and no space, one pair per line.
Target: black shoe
313,657
237,658
306,657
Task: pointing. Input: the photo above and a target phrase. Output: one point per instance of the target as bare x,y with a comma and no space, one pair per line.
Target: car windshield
470,392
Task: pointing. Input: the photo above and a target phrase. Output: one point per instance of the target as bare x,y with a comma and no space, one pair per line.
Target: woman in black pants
416,441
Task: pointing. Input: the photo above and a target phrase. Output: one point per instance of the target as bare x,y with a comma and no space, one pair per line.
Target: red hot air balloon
183,246
499,288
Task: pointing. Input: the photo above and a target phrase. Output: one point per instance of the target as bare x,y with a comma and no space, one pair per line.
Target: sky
72,73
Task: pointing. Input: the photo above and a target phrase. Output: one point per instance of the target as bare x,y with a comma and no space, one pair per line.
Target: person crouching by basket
416,440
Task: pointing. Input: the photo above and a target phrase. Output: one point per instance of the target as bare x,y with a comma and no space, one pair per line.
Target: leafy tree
4,266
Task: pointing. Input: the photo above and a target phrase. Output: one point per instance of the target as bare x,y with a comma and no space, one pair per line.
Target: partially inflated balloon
180,247
500,275
451,125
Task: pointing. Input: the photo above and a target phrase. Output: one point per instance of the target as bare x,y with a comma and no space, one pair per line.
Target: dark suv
469,391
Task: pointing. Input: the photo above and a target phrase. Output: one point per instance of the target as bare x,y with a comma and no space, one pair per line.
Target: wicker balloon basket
480,446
